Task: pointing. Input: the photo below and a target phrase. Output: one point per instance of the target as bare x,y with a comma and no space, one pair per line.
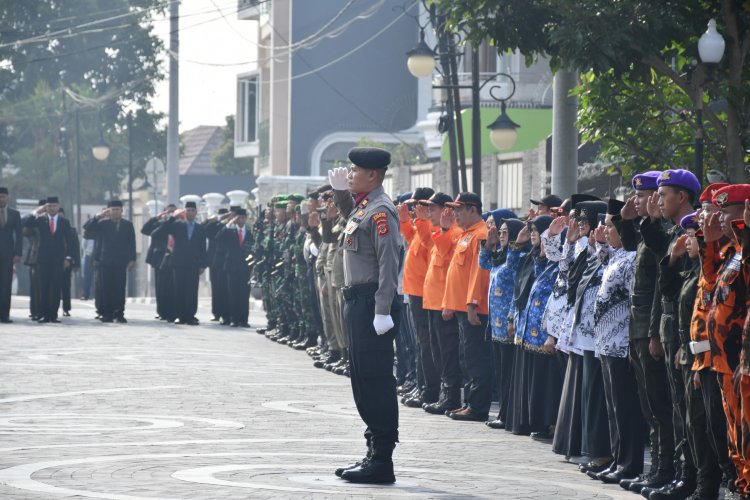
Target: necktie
2,217
239,236
52,225
190,230
170,243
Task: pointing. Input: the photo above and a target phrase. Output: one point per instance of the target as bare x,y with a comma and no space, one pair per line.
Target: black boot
358,464
662,478
625,483
679,489
377,470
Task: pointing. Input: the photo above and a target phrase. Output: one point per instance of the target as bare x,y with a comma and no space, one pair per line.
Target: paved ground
148,410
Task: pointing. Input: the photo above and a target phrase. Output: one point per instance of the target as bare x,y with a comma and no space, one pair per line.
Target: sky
207,93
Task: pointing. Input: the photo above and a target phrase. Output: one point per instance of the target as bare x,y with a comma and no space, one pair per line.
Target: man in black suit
11,247
219,301
237,243
117,238
30,260
188,260
75,263
53,257
157,250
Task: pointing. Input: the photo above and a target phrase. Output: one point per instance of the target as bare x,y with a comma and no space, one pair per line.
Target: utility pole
564,135
173,137
129,119
450,123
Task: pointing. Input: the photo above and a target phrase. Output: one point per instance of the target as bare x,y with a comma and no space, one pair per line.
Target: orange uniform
698,329
726,319
419,236
437,268
466,282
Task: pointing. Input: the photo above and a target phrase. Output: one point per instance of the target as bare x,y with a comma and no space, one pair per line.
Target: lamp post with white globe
710,50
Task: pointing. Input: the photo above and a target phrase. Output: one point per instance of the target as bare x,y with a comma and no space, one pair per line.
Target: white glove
304,209
382,322
338,178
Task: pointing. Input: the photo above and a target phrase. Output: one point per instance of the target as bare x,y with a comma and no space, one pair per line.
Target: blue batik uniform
533,334
502,278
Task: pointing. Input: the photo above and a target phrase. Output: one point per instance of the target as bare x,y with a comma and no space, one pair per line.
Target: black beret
190,204
3,190
52,199
370,158
114,203
234,208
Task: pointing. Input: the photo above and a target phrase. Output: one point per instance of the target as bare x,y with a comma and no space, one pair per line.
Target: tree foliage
630,47
95,59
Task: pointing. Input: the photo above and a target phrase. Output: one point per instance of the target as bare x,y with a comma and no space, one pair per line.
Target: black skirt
518,411
568,428
545,387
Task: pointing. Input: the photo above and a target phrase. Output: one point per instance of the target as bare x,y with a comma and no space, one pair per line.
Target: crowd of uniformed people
604,328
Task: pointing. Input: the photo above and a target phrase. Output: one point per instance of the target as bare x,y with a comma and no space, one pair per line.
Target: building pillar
564,135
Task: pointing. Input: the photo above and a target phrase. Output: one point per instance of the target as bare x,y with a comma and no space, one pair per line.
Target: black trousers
35,298
6,283
185,281
478,361
113,280
65,290
568,429
594,409
165,293
504,352
98,289
220,305
444,341
656,386
699,434
716,420
626,424
518,421
373,383
238,292
679,405
545,387
50,283
425,359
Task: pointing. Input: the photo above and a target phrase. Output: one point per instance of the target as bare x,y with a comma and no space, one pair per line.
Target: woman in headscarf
582,293
545,381
503,227
518,412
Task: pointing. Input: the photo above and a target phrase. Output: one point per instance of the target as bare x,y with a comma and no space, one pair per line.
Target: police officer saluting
371,257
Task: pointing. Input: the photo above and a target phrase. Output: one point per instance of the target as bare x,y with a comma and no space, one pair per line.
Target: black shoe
413,394
677,490
414,402
661,478
545,436
193,322
616,476
468,415
405,388
355,465
214,318
55,320
121,319
66,314
495,424
6,320
106,319
439,408
42,320
596,466
461,408
375,471
225,322
260,331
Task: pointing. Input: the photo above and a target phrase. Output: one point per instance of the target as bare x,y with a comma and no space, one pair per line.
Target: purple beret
690,221
680,178
646,180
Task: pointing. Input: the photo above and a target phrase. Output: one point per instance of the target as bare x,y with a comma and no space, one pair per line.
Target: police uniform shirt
371,244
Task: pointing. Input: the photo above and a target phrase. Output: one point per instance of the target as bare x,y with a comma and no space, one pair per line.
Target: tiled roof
198,146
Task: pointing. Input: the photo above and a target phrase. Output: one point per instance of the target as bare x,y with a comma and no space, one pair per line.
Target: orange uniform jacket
698,329
467,283
437,269
726,317
418,235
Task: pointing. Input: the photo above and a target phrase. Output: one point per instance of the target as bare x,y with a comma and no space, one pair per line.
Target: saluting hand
422,212
628,211
573,231
679,248
600,235
447,218
403,213
557,225
653,206
523,235
492,238
712,228
338,178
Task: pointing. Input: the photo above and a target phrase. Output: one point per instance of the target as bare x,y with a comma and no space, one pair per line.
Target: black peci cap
370,158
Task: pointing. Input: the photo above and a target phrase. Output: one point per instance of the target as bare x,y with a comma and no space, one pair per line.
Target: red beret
733,194
708,193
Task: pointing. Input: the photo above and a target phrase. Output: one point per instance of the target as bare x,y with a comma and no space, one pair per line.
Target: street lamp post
502,131
710,50
101,150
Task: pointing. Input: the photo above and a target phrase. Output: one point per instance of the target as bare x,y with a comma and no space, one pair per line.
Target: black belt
641,300
668,307
359,291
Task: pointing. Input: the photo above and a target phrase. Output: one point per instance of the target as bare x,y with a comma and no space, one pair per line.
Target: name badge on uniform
351,226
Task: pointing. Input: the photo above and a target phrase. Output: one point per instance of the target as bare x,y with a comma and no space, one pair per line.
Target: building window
247,109
510,185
